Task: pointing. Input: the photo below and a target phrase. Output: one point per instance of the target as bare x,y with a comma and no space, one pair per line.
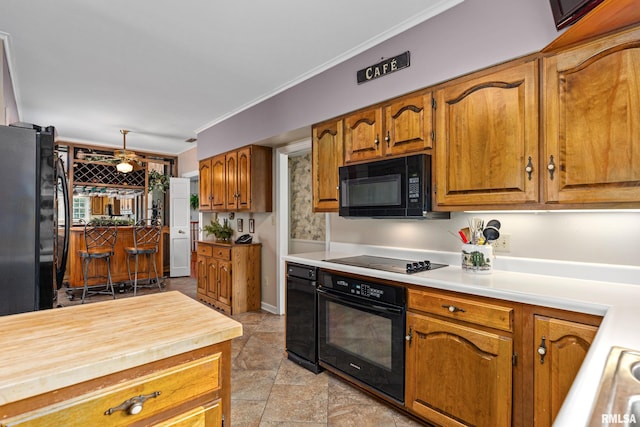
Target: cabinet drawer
172,387
222,253
205,250
461,308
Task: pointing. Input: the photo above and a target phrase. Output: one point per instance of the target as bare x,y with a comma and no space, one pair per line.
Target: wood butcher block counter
119,271
73,365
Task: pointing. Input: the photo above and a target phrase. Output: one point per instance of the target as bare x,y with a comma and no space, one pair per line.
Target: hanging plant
194,202
158,181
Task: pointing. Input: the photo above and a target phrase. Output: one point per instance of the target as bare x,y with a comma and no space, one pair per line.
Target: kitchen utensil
491,233
494,223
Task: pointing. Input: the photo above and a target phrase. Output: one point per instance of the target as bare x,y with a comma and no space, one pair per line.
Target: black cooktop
387,264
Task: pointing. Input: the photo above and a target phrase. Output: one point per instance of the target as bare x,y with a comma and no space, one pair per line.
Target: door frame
282,213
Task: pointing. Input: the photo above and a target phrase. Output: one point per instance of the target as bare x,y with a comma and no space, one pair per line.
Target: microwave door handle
351,303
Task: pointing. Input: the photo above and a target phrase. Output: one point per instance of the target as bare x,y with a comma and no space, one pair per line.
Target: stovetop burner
387,264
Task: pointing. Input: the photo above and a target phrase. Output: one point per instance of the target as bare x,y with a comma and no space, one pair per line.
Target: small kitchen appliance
392,188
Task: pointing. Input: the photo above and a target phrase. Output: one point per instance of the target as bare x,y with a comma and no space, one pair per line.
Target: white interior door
180,217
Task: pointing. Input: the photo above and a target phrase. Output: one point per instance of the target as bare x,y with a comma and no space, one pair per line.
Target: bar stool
99,241
146,235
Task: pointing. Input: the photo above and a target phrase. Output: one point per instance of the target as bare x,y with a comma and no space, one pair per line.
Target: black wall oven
361,329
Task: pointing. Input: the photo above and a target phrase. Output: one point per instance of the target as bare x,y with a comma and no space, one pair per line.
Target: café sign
383,68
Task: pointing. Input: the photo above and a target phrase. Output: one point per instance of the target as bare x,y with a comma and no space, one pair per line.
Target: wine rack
106,174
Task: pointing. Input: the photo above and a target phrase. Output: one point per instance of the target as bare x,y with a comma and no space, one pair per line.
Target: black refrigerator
34,219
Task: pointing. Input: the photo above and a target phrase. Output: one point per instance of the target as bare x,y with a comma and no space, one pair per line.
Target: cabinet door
565,345
326,159
212,278
457,375
218,183
487,138
363,136
243,179
204,185
202,275
408,123
592,122
97,205
224,282
231,187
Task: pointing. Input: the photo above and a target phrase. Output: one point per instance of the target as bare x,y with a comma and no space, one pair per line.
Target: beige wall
188,161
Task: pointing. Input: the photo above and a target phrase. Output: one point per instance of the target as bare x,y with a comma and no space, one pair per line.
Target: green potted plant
222,232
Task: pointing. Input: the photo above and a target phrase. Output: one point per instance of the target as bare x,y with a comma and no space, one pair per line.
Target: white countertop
616,301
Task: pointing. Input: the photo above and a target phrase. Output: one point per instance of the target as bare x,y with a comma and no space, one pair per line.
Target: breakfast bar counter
119,271
145,359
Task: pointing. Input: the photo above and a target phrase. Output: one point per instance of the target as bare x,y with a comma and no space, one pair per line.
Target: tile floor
269,390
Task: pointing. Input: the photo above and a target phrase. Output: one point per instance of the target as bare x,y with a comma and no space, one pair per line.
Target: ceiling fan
125,160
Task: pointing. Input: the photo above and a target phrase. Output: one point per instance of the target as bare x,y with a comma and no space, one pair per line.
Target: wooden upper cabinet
363,135
398,127
218,182
408,124
561,348
592,122
240,180
204,185
231,180
243,178
487,138
326,159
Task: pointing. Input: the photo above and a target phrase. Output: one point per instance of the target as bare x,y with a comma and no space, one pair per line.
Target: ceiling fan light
124,167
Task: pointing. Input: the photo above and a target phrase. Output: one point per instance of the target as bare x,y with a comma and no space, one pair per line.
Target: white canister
477,258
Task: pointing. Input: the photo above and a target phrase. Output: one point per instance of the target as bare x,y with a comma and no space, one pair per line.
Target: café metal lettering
384,67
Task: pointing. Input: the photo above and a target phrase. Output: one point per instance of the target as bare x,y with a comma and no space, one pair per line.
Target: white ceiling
168,69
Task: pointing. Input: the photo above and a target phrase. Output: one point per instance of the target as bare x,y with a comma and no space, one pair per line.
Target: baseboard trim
268,307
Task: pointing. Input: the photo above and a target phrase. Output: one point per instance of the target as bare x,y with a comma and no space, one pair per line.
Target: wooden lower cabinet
480,361
185,390
561,347
457,375
204,416
229,276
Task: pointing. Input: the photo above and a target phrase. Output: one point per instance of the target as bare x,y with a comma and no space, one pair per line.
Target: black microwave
392,188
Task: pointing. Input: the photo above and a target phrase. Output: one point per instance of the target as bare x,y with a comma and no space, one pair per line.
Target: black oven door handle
352,303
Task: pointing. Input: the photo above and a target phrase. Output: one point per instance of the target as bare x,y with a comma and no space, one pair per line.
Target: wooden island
119,273
160,359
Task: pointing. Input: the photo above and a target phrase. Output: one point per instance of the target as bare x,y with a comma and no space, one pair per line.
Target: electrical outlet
503,244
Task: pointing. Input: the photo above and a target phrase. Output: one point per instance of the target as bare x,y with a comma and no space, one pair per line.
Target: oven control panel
362,287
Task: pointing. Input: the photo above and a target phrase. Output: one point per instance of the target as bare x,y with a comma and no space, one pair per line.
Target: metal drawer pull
453,308
132,406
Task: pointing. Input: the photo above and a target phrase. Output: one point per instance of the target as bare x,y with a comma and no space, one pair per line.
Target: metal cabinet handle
542,350
409,336
529,168
134,405
387,138
453,308
181,231
551,167
377,140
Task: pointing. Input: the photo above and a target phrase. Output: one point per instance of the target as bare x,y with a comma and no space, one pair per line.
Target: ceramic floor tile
293,374
246,413
295,403
252,384
257,356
